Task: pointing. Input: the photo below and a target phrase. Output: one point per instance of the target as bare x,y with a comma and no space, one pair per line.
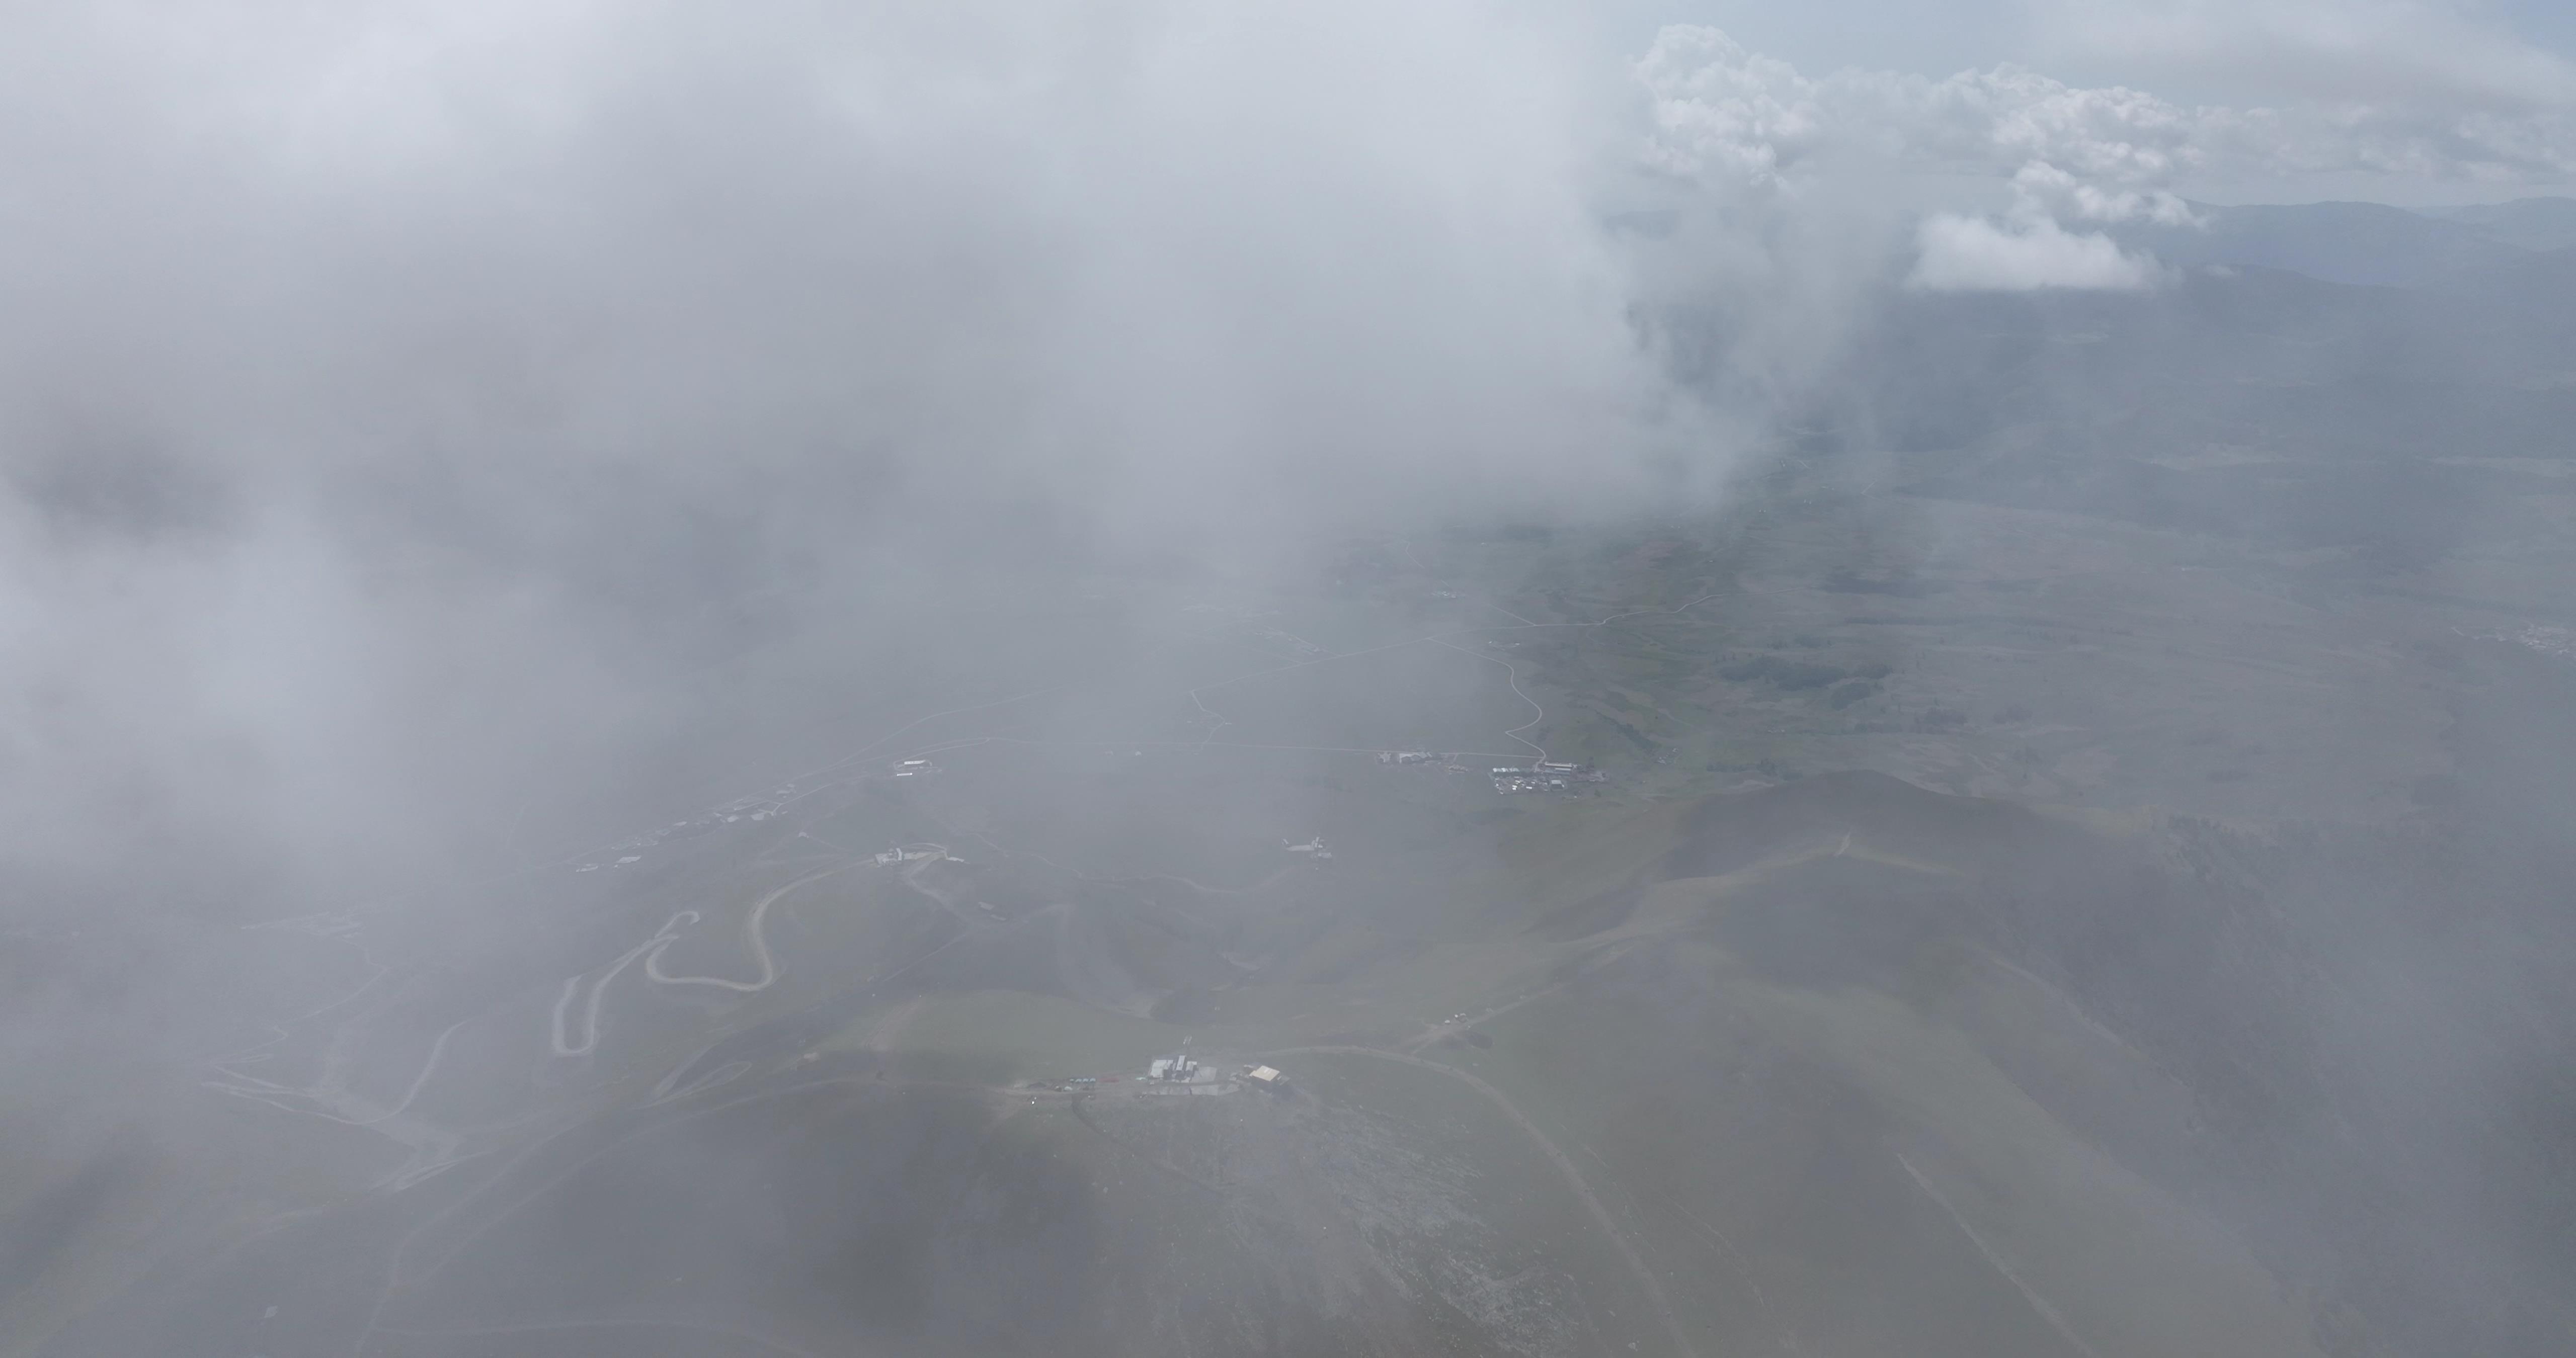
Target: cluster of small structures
906,853
1179,1073
1298,644
1314,848
760,806
1545,776
1447,763
2557,642
912,768
2551,641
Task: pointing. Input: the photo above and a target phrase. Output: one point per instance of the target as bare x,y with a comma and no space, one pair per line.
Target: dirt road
1601,1217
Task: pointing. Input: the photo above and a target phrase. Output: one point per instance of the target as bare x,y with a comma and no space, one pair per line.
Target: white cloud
528,323
2071,154
2045,186
1977,254
1721,110
2378,52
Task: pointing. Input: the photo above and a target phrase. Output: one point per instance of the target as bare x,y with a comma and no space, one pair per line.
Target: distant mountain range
2367,243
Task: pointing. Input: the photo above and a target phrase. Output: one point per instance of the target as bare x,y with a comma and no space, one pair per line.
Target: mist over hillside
974,679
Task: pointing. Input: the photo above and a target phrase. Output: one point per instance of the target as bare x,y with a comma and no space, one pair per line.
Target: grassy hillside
1841,1065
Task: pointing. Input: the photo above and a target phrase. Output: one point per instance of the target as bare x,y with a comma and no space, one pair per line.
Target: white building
1178,1067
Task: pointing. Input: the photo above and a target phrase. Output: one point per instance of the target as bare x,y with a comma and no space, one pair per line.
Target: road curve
563,1044
650,950
1565,1166
754,927
1511,677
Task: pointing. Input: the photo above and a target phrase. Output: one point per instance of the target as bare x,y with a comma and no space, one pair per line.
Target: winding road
755,927
563,1045
1512,677
576,1018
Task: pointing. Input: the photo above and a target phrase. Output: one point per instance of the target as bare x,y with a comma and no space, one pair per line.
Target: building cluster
1178,1073
1545,776
912,768
759,806
1314,849
1305,649
1407,756
2557,642
1181,1073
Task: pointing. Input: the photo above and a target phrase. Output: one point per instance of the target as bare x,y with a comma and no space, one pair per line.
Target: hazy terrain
2143,1010
2078,862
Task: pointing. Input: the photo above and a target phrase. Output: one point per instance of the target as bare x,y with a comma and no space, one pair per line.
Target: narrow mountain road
1512,677
2056,1319
1564,1166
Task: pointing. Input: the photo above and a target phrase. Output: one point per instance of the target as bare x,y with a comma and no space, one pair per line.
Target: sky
389,385
2429,69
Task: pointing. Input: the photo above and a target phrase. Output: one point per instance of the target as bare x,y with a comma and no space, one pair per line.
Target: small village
1178,1074
759,806
1543,776
1313,849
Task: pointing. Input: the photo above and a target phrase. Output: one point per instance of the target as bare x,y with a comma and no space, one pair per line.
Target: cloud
2069,155
1970,254
2374,52
1720,110
522,341
2045,188
398,401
